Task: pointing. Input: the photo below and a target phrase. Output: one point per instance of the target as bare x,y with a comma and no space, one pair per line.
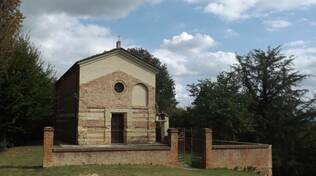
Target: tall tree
10,22
26,91
221,106
180,118
281,110
261,100
165,86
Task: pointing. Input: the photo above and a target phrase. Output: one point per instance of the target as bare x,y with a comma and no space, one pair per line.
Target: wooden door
117,128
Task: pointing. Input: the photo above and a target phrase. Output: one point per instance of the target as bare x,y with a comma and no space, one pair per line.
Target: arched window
139,95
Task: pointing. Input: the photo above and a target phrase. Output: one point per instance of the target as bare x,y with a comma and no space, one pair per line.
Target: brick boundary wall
237,156
165,155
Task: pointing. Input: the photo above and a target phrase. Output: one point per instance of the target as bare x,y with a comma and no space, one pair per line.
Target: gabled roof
122,51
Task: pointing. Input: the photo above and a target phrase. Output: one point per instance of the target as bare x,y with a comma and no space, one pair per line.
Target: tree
165,86
261,100
281,110
221,106
26,91
10,22
180,118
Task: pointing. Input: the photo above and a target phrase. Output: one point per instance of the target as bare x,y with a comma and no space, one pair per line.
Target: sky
196,39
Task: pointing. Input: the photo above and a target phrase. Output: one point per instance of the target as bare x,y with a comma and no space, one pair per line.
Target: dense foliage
10,23
221,105
180,118
260,100
26,83
165,86
282,112
26,92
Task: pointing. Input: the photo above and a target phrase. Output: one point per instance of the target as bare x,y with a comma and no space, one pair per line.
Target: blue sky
195,38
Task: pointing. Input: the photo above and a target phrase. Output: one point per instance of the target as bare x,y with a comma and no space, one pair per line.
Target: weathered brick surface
166,156
173,142
99,93
259,158
256,156
112,157
98,100
48,142
207,153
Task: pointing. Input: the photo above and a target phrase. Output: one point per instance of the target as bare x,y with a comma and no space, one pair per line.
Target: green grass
27,161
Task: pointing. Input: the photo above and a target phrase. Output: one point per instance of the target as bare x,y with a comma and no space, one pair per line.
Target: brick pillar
208,142
173,143
48,143
270,161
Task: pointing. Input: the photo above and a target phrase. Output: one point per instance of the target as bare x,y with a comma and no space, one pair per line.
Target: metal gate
191,147
197,148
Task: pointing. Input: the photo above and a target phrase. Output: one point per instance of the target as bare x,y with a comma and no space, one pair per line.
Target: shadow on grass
20,167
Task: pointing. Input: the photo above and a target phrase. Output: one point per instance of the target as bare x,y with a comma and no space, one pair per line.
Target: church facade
108,98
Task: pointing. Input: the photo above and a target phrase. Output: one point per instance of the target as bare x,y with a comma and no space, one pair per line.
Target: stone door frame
127,115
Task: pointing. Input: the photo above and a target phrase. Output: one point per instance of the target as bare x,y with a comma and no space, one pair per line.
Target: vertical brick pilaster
208,142
173,142
48,143
270,161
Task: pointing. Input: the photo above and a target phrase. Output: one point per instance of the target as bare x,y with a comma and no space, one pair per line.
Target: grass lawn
28,161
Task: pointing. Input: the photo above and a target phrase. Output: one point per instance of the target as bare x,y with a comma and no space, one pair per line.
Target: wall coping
48,129
237,143
173,130
252,146
85,148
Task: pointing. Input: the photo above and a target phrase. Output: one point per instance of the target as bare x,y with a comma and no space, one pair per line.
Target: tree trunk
3,142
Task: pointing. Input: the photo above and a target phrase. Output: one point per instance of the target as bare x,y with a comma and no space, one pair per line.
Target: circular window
119,87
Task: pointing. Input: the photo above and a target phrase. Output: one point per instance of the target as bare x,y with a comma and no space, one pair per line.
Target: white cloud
240,9
295,43
56,27
274,25
305,57
230,9
188,43
63,39
230,33
308,21
195,1
182,95
305,61
109,9
189,57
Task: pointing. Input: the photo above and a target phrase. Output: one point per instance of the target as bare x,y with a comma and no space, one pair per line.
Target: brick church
109,98
105,99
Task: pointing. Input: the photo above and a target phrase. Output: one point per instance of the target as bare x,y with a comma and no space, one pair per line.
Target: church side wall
66,107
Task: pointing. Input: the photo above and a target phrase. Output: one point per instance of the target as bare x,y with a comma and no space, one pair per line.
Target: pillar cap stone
48,129
208,130
173,130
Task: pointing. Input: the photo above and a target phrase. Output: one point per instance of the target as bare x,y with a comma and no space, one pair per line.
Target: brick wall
165,155
238,155
98,100
241,157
